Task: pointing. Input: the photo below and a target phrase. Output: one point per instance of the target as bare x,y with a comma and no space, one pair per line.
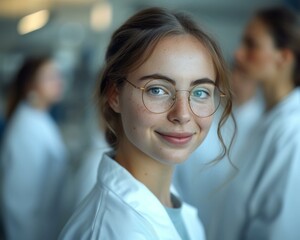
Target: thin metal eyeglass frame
176,90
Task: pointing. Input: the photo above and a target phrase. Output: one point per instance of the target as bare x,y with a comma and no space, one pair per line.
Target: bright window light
33,22
101,16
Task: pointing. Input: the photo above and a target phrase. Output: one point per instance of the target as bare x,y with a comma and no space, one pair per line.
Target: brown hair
284,27
23,79
133,43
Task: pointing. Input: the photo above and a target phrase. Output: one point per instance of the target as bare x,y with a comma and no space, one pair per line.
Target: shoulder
30,126
281,127
286,129
26,119
103,215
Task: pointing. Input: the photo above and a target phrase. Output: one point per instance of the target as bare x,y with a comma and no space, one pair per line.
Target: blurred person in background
2,126
201,178
159,90
85,176
263,200
249,105
33,156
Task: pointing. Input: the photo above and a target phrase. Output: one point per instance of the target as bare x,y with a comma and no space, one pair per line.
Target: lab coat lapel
138,196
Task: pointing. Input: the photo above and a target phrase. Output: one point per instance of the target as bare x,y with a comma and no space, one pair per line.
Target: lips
176,138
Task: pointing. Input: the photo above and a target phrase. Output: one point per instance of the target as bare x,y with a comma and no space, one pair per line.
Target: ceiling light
101,16
33,22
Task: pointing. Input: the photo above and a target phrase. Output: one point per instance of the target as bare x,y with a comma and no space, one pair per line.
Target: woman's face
168,137
48,83
257,56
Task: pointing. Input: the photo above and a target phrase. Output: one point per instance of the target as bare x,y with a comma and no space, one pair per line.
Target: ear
114,98
286,56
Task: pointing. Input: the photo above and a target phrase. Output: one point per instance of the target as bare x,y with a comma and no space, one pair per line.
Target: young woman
33,156
263,202
162,82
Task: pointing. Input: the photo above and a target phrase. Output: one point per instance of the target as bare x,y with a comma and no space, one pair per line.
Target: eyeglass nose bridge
176,91
174,99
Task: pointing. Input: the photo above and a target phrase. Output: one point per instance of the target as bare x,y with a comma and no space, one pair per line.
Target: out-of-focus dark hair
133,43
284,27
24,78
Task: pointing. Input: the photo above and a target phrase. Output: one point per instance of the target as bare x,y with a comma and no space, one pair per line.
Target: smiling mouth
176,138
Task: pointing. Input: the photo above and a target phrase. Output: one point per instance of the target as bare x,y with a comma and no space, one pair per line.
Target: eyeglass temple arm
141,88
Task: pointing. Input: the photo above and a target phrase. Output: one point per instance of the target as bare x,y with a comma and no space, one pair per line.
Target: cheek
262,57
135,117
204,125
258,63
50,89
256,57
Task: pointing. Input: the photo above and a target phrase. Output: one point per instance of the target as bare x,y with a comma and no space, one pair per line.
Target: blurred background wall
76,33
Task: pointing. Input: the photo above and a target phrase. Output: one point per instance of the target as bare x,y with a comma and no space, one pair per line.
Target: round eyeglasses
159,96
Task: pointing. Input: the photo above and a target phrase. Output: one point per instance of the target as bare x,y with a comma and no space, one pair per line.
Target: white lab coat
263,201
33,171
85,177
199,182
120,207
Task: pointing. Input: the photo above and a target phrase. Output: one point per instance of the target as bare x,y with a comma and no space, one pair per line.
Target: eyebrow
163,77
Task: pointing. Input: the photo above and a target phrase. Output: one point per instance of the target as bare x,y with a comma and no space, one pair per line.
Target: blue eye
157,91
200,94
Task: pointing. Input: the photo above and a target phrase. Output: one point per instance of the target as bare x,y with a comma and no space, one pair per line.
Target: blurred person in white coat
33,156
263,200
85,176
162,81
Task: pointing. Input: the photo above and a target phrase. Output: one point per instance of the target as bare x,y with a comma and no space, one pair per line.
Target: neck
153,174
38,104
276,90
240,101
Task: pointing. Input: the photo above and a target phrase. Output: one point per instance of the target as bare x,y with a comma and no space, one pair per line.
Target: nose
180,113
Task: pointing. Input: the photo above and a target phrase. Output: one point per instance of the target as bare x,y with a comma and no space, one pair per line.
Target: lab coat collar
286,107
27,105
136,195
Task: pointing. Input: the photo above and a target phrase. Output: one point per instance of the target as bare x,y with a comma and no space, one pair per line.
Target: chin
173,157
